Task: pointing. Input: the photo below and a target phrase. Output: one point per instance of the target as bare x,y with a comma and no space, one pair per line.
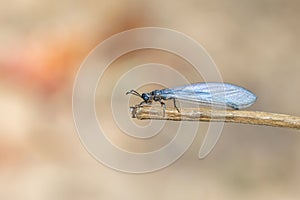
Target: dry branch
216,115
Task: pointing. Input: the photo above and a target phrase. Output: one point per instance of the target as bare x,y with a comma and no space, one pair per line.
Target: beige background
254,43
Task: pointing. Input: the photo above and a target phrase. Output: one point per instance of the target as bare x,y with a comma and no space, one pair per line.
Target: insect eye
145,96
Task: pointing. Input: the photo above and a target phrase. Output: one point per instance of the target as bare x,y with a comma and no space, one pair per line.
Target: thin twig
215,115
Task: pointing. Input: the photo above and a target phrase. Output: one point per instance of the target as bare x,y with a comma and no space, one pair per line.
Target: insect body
211,93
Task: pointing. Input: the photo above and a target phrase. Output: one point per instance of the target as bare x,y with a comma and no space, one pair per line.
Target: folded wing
222,94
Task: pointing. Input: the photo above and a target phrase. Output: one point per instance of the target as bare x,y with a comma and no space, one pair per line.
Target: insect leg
143,102
174,101
163,105
233,106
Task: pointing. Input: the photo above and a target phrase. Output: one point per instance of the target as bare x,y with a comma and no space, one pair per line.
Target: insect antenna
133,92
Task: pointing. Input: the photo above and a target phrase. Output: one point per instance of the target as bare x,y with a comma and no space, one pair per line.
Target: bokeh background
255,44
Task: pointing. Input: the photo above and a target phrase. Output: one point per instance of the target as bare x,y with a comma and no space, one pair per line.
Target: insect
210,93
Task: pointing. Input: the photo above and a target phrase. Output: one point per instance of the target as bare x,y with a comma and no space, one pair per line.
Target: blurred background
255,44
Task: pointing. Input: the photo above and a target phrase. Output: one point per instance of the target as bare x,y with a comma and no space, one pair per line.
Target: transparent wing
212,93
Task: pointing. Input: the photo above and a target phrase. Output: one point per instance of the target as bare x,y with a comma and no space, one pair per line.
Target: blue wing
212,93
